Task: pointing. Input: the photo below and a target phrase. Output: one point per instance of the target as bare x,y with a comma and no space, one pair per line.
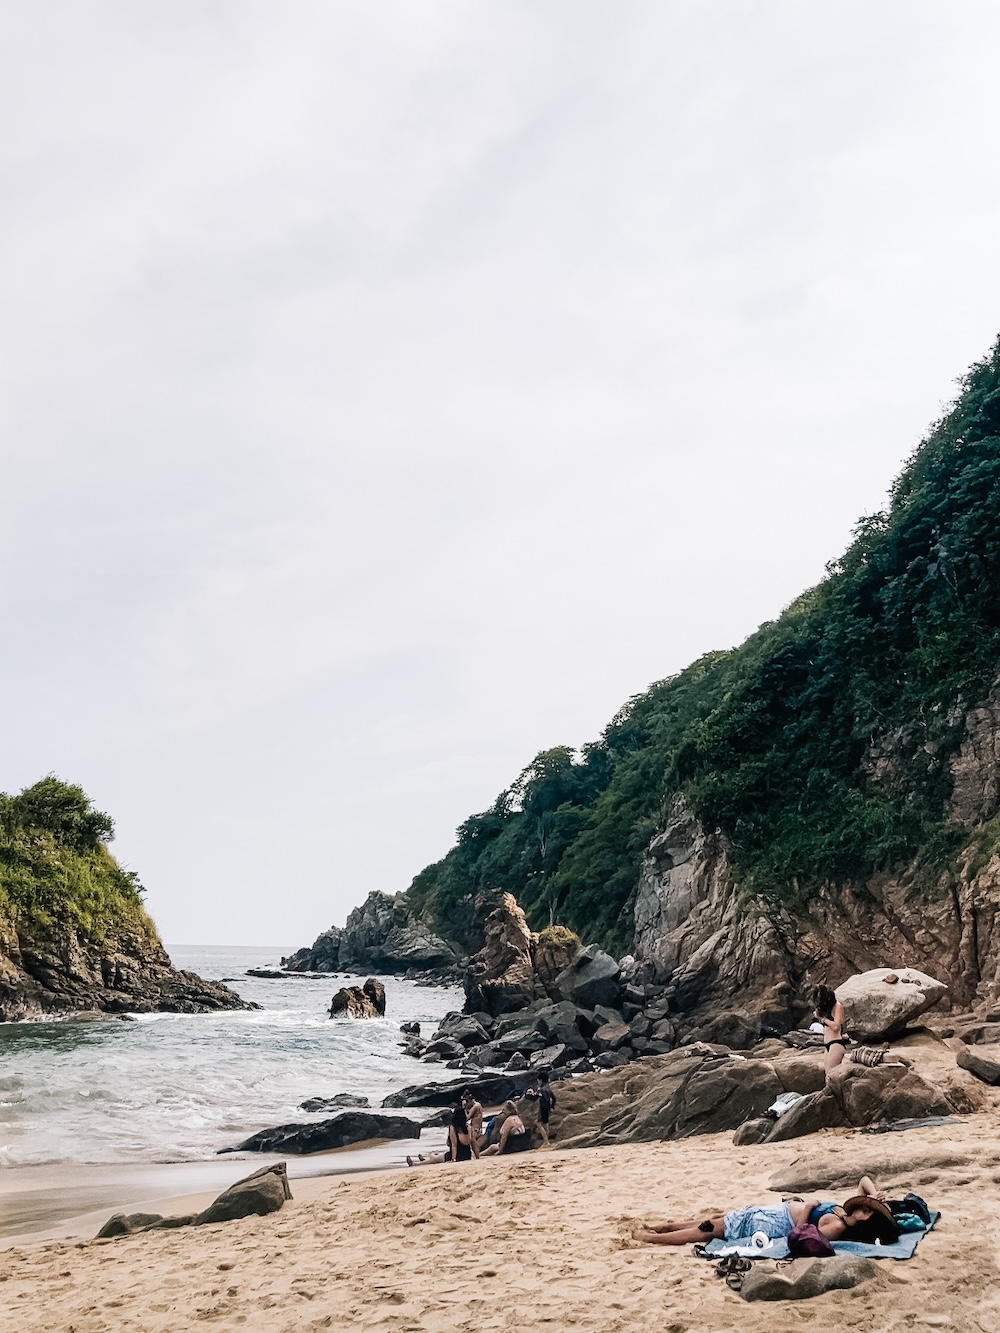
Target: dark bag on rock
807,1242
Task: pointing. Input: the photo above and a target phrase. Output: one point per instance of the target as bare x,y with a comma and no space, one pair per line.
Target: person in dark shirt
546,1102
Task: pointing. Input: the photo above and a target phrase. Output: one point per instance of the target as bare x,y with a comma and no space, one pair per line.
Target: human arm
867,1186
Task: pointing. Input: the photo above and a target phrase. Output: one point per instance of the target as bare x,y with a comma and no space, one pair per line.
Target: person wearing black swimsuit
830,1012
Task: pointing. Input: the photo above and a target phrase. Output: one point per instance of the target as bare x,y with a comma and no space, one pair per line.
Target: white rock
875,1008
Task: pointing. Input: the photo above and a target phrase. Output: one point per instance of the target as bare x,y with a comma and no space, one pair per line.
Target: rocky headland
74,935
382,935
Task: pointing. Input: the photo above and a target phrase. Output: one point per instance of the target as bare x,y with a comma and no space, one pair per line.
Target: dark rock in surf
337,1132
340,1102
367,1001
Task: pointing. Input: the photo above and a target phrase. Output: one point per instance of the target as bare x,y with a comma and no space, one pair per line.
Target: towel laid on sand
904,1248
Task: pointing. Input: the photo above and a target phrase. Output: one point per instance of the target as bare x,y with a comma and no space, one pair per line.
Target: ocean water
178,1087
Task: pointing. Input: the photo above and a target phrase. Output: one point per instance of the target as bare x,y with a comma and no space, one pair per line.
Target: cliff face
697,928
51,969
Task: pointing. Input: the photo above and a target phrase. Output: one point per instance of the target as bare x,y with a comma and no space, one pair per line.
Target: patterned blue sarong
774,1220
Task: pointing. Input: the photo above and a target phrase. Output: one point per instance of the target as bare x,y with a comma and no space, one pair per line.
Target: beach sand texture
539,1241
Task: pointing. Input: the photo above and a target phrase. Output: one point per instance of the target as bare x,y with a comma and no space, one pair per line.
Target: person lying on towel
863,1217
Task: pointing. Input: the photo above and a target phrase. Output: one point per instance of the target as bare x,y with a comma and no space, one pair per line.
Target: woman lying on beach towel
862,1217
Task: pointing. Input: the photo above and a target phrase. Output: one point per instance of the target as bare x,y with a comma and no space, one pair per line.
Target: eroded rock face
718,953
501,977
884,1001
54,969
975,769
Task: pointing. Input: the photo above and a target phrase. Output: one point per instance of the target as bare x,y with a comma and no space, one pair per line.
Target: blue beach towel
904,1248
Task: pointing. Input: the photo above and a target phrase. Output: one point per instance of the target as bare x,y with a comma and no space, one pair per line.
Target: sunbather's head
823,1000
869,1220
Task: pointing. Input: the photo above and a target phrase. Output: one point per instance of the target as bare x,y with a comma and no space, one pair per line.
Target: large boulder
886,1093
804,1278
559,1022
858,1096
336,1132
881,1003
675,1096
611,1036
501,978
263,1192
983,1061
367,1001
463,1028
490,1089
593,978
818,1110
256,1195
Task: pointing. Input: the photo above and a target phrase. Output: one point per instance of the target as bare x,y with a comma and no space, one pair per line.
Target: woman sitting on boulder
863,1217
514,1136
830,1012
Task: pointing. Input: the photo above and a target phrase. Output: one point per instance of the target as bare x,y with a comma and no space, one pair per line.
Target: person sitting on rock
514,1136
863,1217
462,1147
830,1012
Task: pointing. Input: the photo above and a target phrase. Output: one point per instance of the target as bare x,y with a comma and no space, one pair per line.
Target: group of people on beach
471,1135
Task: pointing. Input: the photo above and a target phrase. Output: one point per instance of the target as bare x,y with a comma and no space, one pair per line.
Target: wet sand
73,1201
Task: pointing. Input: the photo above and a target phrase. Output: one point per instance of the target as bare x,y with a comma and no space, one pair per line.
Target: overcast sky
388,391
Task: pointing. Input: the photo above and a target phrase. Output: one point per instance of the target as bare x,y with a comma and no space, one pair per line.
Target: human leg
686,1234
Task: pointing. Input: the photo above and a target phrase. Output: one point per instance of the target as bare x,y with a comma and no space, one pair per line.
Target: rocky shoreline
59,972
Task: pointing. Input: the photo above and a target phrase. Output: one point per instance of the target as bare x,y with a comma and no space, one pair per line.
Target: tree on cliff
819,747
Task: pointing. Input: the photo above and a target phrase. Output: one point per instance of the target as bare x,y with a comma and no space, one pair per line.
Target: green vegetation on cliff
818,747
55,868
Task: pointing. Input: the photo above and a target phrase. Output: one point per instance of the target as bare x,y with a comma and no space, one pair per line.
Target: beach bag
913,1205
807,1242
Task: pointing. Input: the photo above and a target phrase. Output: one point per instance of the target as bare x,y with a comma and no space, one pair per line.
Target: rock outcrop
501,977
367,1001
256,1195
381,935
336,1132
52,967
804,1278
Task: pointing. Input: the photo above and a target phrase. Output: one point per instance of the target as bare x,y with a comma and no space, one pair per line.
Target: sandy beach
535,1241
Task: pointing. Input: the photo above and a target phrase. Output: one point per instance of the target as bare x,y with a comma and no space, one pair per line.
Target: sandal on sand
734,1281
